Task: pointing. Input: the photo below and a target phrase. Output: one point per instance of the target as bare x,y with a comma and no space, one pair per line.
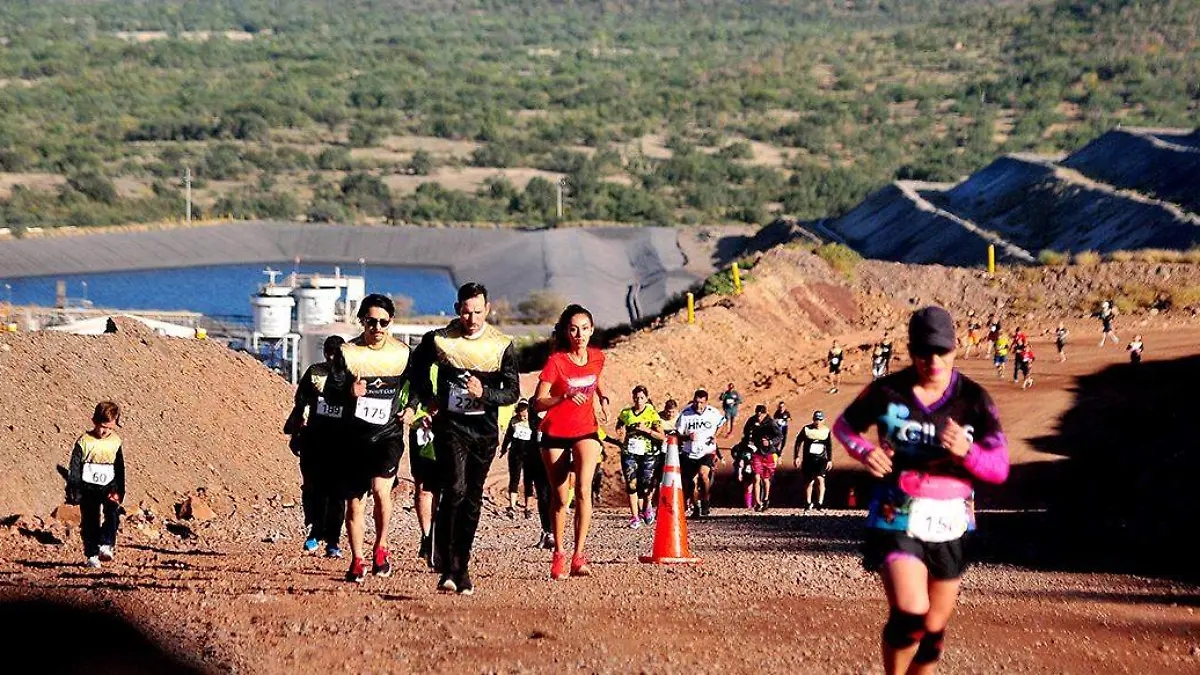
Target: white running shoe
93,562
106,553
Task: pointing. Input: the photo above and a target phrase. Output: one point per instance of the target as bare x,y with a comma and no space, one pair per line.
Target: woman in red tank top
568,390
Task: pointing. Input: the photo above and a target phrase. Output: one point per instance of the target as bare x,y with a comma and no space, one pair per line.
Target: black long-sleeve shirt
755,431
490,356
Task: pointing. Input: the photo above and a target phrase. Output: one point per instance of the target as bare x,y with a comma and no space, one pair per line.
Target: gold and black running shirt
97,465
322,417
385,370
489,356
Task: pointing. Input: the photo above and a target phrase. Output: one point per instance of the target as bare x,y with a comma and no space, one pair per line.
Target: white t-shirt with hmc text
704,425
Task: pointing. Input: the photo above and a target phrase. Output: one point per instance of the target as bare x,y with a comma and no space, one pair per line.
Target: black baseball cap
931,329
760,408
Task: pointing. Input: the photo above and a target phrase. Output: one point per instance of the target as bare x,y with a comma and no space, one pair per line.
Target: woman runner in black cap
938,432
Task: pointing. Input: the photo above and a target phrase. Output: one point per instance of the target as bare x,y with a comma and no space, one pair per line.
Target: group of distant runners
936,435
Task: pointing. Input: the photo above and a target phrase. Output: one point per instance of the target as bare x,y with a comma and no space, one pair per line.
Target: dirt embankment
771,340
195,414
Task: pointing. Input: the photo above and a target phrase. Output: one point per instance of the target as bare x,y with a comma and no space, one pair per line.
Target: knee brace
903,629
930,649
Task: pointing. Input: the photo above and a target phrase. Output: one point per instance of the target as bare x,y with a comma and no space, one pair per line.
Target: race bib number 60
98,474
373,410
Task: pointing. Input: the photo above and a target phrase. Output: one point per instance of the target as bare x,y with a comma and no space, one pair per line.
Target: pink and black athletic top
922,468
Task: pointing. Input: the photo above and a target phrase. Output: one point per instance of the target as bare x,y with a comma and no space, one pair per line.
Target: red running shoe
579,566
382,566
558,566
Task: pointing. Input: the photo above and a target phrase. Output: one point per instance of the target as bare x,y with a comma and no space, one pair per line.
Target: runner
1020,342
1023,370
885,348
878,363
1106,315
973,333
315,427
476,375
640,430
762,436
743,470
669,416
834,360
518,439
730,401
535,470
994,331
782,417
372,395
697,426
1060,341
422,463
568,390
938,433
1000,355
814,455
1135,350
96,483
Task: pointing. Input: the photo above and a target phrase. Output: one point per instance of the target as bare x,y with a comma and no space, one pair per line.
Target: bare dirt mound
194,414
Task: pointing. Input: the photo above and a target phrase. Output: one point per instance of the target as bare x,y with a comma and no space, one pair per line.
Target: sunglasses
926,354
372,322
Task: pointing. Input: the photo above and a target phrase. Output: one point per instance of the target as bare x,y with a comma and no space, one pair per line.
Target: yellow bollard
991,260
737,278
691,308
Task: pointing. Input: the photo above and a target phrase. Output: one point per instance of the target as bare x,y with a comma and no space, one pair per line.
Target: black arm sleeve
508,381
419,365
118,484
295,419
75,474
506,444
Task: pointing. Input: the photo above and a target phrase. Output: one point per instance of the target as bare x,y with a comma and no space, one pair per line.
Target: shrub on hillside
541,306
840,257
1053,258
1086,258
1120,256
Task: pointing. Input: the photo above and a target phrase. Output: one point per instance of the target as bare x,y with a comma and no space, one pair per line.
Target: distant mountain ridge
1130,188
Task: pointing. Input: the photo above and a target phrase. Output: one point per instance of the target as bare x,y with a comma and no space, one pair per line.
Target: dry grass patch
467,179
32,180
438,147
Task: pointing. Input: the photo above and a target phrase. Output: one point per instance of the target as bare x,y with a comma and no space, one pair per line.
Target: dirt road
781,590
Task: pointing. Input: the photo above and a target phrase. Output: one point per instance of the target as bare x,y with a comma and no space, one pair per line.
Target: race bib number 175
373,410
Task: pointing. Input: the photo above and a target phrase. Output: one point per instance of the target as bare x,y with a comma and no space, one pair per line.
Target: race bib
373,410
98,474
462,402
326,410
522,432
937,520
816,449
637,445
835,360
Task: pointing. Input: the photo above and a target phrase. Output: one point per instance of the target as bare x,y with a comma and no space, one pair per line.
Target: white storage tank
316,303
272,309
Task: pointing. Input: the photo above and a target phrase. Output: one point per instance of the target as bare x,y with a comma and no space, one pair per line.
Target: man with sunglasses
374,397
476,375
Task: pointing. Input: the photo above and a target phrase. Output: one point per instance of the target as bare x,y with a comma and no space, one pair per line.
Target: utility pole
562,185
187,183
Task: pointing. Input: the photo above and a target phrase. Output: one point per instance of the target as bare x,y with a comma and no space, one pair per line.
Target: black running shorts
364,462
943,560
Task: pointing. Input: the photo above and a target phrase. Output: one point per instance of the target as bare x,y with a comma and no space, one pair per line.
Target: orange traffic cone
670,530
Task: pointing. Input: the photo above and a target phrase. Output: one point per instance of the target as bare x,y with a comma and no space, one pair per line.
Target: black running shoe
464,585
704,510
446,584
426,549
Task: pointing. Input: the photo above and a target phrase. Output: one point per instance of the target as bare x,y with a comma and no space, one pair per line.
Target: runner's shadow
69,639
46,564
